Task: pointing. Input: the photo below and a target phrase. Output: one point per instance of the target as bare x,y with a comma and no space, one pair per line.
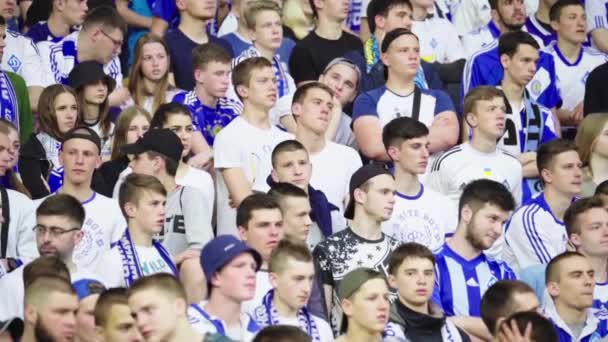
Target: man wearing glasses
100,40
58,229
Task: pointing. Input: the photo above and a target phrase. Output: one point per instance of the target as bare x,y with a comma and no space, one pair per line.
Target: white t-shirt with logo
21,57
439,40
249,148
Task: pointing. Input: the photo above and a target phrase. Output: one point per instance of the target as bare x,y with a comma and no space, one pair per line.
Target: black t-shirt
311,55
180,50
596,93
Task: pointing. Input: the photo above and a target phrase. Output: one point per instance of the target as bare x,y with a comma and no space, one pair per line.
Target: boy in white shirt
137,253
292,274
242,150
230,267
420,214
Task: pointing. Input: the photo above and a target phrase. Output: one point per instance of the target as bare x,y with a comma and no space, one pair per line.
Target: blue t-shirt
239,45
460,284
387,105
180,50
209,121
484,68
40,32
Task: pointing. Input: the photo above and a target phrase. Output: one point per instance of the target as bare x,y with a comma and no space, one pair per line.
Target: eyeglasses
53,231
116,42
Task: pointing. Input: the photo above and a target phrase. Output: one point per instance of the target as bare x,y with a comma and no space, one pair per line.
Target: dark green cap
355,279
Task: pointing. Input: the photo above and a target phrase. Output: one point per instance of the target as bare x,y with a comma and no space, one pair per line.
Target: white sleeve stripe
532,233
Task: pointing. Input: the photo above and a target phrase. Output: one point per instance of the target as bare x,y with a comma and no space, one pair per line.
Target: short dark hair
280,191
401,129
602,188
509,42
281,333
251,203
577,208
548,151
552,271
382,7
62,205
408,250
302,90
241,74
481,191
108,299
542,329
107,17
286,146
45,266
499,301
204,54
165,110
556,9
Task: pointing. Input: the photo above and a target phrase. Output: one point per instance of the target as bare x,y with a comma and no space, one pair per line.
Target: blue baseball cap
221,250
87,287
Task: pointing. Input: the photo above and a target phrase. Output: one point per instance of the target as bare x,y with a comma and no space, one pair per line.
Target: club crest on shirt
14,63
91,246
491,281
536,87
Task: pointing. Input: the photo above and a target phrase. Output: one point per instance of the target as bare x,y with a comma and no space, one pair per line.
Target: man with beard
50,310
58,230
464,271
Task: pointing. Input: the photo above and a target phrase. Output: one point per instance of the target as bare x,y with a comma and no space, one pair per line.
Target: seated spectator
131,125
401,97
327,41
596,100
242,150
88,291
413,316
420,214
292,274
39,163
296,210
149,82
364,298
479,156
168,320
99,40
211,109
113,317
438,37
12,177
63,18
15,105
535,233
230,267
589,141
142,200
503,299
573,61
191,32
570,284
44,298
92,88
484,207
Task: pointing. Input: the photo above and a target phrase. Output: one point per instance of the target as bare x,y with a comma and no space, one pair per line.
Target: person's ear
392,281
380,21
504,60
393,153
553,289
130,209
30,314
242,91
466,213
546,175
347,307
471,120
78,237
359,195
243,233
296,110
384,59
273,278
98,162
274,176
198,75
575,240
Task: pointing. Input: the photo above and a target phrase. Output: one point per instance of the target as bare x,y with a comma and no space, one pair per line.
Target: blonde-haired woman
592,142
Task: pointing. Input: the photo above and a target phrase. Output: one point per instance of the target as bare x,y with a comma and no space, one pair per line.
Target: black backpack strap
416,104
7,217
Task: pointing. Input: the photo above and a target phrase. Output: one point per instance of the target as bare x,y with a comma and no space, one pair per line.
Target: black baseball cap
83,132
87,73
161,140
362,175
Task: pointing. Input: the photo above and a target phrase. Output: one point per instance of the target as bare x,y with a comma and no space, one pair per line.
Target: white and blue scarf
277,66
9,106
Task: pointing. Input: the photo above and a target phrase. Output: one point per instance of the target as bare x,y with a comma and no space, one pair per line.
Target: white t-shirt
424,218
12,290
149,100
21,57
103,224
242,145
201,180
204,323
571,77
262,286
439,40
150,262
229,25
21,237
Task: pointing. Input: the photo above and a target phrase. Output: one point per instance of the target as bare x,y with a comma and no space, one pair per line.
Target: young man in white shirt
103,223
333,164
230,267
100,40
113,317
586,222
242,150
420,214
570,284
50,310
292,274
65,15
573,61
536,233
478,157
401,97
137,253
58,229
